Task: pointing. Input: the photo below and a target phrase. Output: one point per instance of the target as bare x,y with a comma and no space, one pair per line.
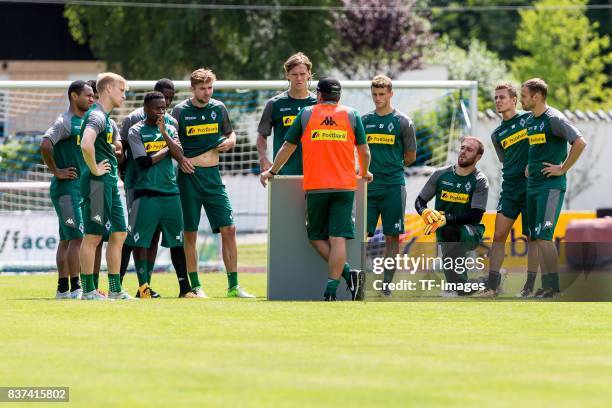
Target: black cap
329,85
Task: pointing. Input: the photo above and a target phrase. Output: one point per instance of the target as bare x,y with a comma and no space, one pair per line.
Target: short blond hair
536,85
382,81
202,75
297,59
478,142
509,87
107,79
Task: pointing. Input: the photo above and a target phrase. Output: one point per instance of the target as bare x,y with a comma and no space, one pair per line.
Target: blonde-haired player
102,208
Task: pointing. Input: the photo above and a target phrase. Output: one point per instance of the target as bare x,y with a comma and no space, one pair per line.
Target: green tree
246,44
476,64
496,28
564,48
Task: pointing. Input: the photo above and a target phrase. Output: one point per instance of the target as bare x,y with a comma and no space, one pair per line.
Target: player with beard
461,193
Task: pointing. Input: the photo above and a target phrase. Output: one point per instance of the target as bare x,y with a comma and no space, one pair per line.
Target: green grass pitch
219,352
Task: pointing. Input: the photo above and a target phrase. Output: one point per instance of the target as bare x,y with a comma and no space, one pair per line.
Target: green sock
88,283
141,272
150,267
546,281
346,272
232,279
96,278
332,286
553,281
193,278
114,282
388,275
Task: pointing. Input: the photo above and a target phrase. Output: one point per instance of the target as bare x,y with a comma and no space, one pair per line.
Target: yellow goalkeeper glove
431,228
430,216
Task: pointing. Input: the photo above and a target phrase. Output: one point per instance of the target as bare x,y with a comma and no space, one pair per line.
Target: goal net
443,111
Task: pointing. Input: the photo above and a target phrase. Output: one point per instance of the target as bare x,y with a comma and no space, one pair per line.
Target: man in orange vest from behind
329,132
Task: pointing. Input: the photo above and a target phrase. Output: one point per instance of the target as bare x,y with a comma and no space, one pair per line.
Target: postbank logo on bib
329,134
288,120
208,129
454,197
377,138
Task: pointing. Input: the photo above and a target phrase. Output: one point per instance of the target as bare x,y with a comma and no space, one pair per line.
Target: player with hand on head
461,193
61,152
329,133
391,137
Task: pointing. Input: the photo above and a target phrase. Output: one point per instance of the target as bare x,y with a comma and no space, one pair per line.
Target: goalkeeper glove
430,216
431,228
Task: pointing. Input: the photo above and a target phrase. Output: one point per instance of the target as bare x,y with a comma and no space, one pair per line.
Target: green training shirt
389,137
147,140
549,135
130,120
511,144
279,114
201,129
456,194
106,131
64,134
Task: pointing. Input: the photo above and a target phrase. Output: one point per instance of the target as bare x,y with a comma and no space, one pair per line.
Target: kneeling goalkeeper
461,193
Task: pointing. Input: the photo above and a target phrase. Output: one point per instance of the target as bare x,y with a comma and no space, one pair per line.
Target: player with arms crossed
61,152
549,133
281,110
392,141
461,193
156,204
102,207
329,133
166,87
204,132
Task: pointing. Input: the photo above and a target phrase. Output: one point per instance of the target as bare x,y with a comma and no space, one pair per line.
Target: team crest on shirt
136,237
468,187
213,116
390,127
542,126
81,227
522,122
107,225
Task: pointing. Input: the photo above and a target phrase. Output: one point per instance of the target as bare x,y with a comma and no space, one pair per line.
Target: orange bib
328,149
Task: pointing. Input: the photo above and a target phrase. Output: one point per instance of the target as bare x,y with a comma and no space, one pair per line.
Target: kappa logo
382,125
329,121
458,185
213,116
97,217
70,221
513,126
548,224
